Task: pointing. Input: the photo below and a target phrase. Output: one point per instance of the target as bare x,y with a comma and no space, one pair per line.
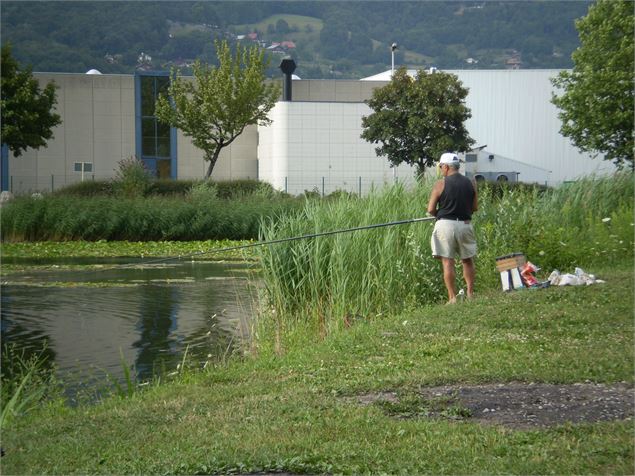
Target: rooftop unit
483,165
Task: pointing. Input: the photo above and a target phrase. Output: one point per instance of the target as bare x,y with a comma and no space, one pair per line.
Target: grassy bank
300,412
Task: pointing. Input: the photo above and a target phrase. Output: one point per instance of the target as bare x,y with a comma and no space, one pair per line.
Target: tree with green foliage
216,107
282,27
596,107
417,119
27,117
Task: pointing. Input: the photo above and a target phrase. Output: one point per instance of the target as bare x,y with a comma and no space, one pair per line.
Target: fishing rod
260,243
283,240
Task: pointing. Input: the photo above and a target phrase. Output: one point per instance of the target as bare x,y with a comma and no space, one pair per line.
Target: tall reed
324,283
61,218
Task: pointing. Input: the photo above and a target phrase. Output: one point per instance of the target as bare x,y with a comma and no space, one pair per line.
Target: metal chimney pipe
287,65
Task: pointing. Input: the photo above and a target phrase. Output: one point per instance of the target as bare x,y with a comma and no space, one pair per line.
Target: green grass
293,413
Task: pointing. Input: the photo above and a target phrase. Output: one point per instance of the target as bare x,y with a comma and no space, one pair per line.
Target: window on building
155,135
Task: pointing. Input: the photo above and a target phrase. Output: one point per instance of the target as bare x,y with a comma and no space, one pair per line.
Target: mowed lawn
300,412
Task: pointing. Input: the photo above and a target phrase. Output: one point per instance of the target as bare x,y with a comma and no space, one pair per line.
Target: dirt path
514,405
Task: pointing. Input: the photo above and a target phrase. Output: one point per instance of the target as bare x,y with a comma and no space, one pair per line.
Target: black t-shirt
457,198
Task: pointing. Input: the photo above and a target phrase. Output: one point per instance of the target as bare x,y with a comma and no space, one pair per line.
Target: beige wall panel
106,95
128,149
78,92
128,144
248,137
78,145
50,167
127,82
367,88
55,148
107,128
222,168
320,90
24,164
300,90
127,110
244,169
107,108
348,91
107,156
107,82
78,118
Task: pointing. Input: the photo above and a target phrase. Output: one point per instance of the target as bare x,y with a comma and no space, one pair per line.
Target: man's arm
437,189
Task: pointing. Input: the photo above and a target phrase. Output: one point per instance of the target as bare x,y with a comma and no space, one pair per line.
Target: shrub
132,179
203,192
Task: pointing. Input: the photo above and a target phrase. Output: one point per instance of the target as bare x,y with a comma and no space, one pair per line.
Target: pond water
91,314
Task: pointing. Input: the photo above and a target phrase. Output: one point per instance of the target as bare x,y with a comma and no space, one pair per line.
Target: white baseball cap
450,159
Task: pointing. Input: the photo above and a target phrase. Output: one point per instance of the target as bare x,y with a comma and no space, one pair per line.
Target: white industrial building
313,142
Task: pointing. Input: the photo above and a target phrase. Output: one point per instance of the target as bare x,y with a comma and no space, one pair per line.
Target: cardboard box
511,261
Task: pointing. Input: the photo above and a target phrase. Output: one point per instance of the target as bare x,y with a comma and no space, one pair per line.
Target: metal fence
360,185
27,184
325,185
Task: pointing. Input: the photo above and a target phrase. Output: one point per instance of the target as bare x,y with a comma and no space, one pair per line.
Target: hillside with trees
327,39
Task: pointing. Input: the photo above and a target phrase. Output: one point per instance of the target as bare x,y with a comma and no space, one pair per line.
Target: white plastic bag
580,278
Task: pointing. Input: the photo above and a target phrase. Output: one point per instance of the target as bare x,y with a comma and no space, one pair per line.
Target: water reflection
149,315
157,321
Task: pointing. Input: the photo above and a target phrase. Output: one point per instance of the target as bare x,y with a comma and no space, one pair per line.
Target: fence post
322,187
286,185
11,186
360,186
52,183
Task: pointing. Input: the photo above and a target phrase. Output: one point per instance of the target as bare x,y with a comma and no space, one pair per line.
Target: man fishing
452,201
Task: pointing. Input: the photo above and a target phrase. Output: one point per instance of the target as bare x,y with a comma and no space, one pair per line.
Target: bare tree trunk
420,171
212,162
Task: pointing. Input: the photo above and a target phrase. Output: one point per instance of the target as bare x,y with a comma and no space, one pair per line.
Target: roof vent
287,65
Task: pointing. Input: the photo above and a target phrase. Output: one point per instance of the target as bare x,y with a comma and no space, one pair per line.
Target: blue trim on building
150,161
173,152
137,114
4,167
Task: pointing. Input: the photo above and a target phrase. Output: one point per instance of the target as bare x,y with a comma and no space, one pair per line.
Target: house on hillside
276,48
513,63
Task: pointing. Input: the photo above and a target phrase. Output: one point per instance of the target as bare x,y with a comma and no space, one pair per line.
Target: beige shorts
451,238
